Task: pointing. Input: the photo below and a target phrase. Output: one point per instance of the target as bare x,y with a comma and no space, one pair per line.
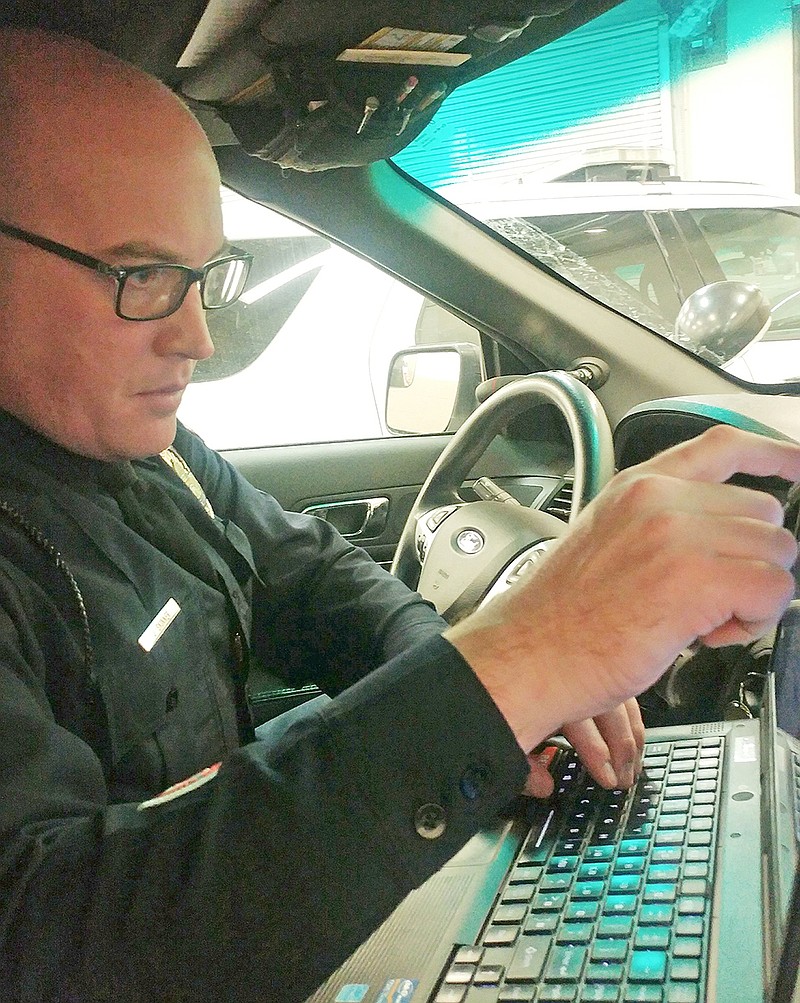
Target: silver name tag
155,630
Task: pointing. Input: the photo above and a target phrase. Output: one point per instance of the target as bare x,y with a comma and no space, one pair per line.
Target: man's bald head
70,111
98,156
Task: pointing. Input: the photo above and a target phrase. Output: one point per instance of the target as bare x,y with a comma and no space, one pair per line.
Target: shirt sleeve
256,884
328,613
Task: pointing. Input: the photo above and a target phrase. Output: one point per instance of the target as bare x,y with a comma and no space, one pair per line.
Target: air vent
560,504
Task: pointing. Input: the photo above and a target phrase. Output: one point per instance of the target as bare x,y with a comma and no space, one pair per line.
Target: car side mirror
432,388
719,321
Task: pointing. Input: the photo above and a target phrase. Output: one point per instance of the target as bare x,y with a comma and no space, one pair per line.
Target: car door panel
329,474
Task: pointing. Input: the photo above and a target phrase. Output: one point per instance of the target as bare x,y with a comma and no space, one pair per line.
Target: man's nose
185,332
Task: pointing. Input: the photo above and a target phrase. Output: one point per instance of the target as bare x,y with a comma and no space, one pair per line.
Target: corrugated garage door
594,90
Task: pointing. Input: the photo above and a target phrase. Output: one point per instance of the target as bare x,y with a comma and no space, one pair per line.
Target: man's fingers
610,745
723,451
540,782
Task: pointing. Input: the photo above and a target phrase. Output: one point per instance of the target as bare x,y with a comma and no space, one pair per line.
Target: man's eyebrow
146,252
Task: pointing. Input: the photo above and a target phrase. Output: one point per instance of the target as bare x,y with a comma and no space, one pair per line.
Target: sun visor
312,85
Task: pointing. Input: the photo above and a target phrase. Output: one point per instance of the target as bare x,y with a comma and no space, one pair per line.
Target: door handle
361,519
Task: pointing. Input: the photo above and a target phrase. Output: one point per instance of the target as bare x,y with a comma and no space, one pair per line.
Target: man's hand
667,554
610,746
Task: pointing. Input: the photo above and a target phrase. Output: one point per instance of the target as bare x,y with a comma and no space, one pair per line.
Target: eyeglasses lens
153,292
224,283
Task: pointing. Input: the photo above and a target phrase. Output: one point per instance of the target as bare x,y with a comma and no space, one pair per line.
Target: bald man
123,656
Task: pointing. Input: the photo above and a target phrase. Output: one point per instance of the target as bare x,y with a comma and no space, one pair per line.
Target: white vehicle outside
317,328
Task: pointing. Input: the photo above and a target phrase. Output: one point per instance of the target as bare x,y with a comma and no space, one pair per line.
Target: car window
305,354
648,154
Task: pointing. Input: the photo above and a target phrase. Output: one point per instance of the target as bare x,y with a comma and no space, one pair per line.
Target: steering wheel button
470,541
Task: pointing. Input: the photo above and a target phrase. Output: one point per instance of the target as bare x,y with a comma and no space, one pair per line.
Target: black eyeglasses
151,292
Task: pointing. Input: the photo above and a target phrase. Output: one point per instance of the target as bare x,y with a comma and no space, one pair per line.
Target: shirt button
429,821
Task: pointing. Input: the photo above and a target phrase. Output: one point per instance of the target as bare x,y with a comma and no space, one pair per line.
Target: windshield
649,154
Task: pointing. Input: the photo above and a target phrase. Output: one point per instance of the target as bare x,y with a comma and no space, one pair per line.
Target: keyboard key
698,854
609,950
685,969
682,994
690,926
669,837
542,923
629,865
587,890
619,905
677,791
500,935
694,886
604,971
647,966
641,829
652,938
695,871
622,884
575,933
597,869
703,811
677,821
615,926
673,805
555,882
687,947
527,962
699,838
549,994
468,955
643,994
482,994
667,855
560,865
656,915
510,914
706,785
633,848
460,974
489,975
512,994
599,994
663,873
565,964
518,893
582,910
552,902
450,994
659,893
691,906
524,873
605,852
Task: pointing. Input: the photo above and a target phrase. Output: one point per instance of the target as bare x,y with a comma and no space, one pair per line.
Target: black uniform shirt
257,883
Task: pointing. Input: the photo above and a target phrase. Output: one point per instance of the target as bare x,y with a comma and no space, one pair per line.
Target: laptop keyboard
611,900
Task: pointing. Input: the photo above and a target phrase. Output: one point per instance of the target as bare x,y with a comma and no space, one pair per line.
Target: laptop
683,890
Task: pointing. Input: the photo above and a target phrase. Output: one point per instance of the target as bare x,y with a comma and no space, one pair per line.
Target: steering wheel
471,550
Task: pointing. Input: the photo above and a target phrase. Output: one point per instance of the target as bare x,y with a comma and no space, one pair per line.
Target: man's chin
148,439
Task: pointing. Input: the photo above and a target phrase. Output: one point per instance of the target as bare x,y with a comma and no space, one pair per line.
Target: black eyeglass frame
122,274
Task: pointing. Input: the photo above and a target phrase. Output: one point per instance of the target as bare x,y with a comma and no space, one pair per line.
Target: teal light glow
645,45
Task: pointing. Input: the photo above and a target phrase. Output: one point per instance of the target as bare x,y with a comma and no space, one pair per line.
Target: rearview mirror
719,321
432,388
